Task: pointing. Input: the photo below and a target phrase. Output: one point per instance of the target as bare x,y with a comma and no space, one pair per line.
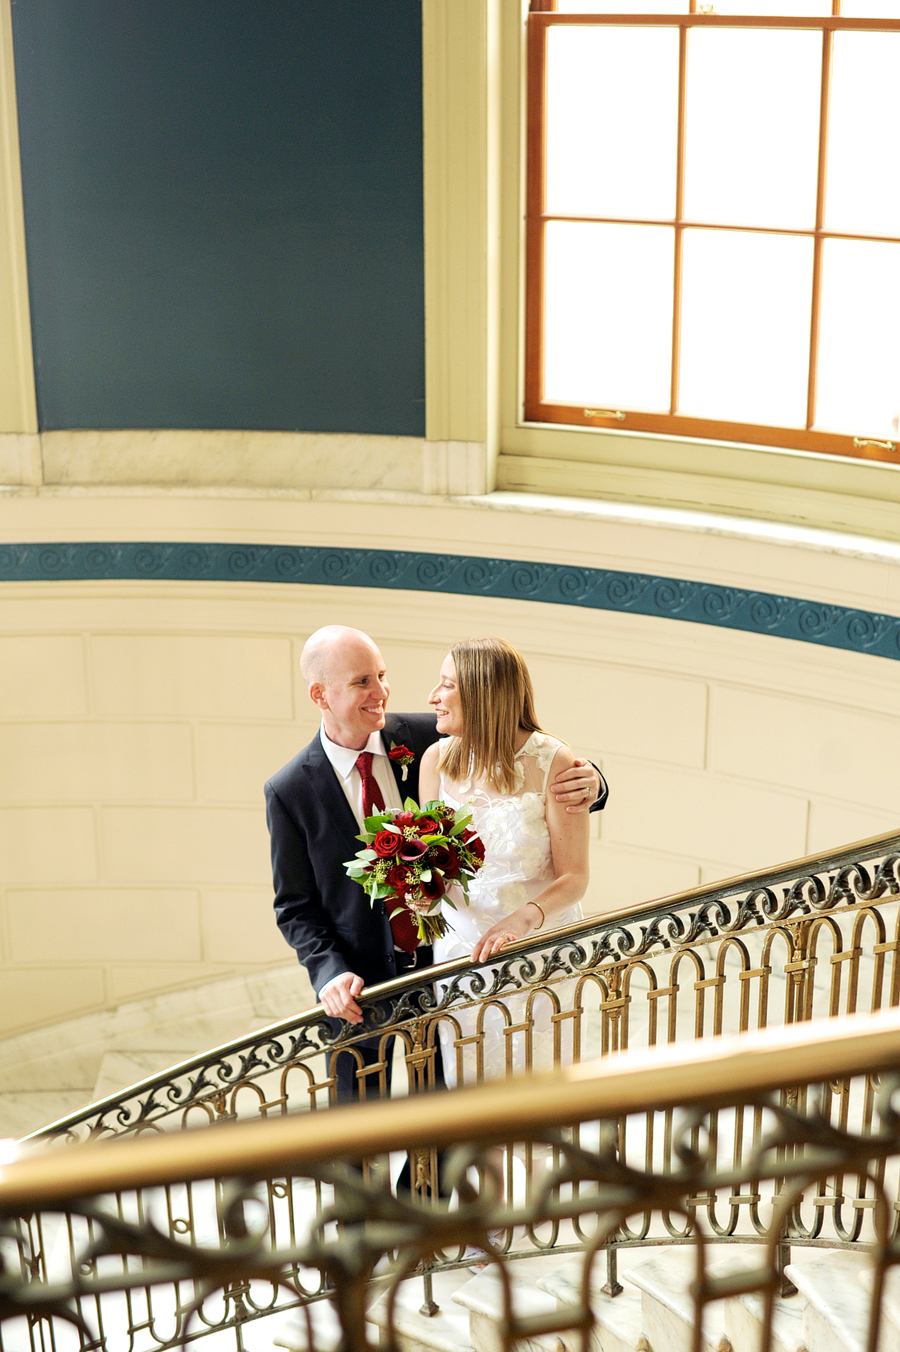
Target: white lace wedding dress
515,1033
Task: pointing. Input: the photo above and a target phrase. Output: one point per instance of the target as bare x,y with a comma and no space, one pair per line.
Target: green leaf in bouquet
425,875
377,822
411,805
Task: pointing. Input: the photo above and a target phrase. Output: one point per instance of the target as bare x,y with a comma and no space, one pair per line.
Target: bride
496,758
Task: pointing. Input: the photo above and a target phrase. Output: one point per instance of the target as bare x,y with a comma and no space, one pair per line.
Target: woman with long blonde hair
495,757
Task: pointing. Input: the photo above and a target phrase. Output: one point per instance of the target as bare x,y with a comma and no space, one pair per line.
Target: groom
315,807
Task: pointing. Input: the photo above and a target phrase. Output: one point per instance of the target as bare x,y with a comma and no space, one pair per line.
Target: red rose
386,843
446,860
411,850
426,826
401,753
447,825
476,847
467,834
398,877
434,888
404,819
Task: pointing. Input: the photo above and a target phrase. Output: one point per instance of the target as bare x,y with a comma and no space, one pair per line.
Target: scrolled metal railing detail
758,908
778,947
356,1228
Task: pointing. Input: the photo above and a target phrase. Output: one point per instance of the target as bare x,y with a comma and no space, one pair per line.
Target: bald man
314,811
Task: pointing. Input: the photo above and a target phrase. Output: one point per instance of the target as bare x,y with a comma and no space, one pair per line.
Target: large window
714,220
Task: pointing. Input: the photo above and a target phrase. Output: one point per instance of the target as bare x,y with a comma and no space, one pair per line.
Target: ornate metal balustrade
815,937
83,1232
778,947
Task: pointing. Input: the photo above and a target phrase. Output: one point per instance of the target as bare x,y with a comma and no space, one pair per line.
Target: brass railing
817,936
83,1231
778,947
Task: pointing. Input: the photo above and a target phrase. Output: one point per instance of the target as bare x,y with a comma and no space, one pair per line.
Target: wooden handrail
712,1071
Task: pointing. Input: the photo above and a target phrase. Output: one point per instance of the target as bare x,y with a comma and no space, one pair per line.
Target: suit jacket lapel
395,730
328,789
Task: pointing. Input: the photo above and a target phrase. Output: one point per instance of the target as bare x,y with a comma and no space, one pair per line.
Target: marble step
667,1307
446,1331
315,1326
890,1306
471,1306
484,1298
744,1313
619,1321
836,1306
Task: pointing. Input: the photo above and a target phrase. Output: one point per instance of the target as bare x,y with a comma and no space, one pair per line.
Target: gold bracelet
543,917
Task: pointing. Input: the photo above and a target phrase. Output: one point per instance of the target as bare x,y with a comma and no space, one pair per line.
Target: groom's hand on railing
577,787
338,998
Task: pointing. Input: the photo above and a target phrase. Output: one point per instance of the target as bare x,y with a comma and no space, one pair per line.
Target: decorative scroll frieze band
754,612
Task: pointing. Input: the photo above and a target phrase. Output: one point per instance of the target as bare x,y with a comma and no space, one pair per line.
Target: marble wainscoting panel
207,458
66,1059
22,1113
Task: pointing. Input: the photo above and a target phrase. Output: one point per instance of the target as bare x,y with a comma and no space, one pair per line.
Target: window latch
869,441
605,413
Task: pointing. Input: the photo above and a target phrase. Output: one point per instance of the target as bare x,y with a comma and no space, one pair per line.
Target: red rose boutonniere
402,755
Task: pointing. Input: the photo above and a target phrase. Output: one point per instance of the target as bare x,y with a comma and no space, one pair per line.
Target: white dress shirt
343,762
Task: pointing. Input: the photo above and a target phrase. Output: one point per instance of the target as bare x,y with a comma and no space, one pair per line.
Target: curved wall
140,715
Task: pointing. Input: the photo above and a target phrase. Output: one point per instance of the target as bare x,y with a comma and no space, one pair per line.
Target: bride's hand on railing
513,927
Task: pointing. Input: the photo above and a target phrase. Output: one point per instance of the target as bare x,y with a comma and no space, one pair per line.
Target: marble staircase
654,1313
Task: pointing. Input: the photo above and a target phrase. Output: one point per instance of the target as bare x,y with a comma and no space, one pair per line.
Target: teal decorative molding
754,612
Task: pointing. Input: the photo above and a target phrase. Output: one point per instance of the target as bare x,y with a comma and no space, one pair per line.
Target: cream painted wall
138,720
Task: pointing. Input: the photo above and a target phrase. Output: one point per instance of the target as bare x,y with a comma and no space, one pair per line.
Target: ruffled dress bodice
518,863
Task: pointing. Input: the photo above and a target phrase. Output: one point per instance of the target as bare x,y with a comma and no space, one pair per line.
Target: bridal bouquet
410,857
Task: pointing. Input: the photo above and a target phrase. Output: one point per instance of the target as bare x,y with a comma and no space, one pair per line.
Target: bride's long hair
497,706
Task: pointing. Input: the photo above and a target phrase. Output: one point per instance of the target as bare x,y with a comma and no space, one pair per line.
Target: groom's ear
317,694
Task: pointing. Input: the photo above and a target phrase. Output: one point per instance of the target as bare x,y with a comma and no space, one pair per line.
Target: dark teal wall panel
223,205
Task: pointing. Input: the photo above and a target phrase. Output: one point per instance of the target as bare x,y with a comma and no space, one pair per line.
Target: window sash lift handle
870,441
615,413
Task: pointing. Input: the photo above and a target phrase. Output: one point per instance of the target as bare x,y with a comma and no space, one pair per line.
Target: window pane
751,146
870,9
608,314
864,134
745,326
859,339
811,9
623,7
612,109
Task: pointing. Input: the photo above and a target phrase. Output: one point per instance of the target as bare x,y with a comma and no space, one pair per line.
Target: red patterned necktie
402,927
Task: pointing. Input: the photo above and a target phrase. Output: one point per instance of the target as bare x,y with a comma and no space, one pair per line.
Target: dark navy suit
324,915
